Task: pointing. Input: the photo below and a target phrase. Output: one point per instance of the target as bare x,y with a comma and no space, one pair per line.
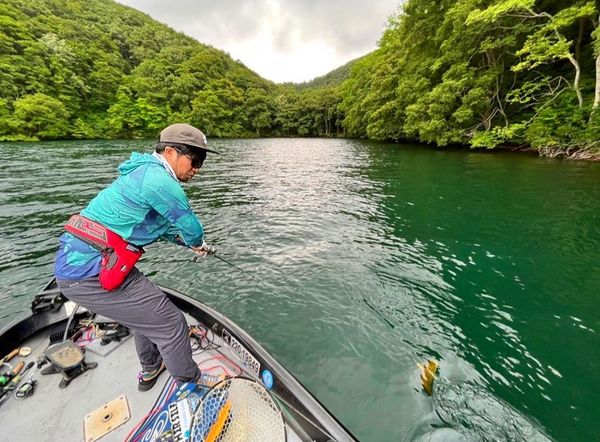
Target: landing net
238,409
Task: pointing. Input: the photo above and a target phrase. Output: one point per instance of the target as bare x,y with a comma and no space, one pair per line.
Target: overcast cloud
282,40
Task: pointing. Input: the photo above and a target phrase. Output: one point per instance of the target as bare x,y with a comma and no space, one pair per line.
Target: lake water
371,257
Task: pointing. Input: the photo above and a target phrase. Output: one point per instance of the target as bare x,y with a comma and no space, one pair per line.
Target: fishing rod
250,275
378,313
212,252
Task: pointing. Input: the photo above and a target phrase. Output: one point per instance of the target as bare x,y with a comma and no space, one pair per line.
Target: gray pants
160,329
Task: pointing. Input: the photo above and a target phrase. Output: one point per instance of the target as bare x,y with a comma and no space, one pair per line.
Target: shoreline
570,154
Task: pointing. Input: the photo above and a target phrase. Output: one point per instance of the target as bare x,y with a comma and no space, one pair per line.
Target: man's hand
204,249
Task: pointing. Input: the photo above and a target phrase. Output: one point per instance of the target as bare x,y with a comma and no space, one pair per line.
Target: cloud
346,26
256,31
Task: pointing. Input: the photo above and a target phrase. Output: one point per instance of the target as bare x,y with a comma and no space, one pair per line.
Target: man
95,262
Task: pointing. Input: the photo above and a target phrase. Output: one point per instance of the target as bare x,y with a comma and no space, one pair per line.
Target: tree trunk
597,94
577,79
597,91
573,61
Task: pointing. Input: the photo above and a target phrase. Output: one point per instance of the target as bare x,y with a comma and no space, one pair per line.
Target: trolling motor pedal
67,359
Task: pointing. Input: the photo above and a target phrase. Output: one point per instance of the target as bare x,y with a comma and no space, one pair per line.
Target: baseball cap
181,133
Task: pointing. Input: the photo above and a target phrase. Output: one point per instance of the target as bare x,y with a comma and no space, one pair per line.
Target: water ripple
359,260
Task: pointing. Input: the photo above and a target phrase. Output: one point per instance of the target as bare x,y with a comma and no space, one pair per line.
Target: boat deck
52,414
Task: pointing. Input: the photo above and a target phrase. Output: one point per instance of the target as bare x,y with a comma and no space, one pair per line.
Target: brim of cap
203,148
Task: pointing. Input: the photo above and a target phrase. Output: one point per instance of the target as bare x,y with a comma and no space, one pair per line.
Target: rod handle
18,368
9,356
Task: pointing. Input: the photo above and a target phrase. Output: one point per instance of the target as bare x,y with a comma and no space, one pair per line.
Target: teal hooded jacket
143,204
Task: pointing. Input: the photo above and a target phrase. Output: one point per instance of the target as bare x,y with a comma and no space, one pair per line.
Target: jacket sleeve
166,196
172,235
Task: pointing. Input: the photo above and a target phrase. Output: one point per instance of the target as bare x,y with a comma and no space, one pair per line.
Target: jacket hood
136,160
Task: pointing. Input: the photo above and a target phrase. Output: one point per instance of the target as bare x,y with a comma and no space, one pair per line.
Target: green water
488,262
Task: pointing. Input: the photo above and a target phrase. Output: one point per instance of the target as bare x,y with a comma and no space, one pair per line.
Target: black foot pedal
67,359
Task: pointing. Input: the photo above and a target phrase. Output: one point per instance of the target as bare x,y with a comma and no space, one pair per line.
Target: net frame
238,409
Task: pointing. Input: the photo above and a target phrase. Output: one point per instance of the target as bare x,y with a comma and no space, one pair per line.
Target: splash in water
470,412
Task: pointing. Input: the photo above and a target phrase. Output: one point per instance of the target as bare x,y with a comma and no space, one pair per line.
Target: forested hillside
331,79
481,73
95,68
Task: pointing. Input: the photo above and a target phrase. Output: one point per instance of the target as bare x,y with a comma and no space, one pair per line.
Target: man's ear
169,152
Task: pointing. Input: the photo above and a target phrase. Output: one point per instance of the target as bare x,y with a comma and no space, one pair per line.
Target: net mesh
238,409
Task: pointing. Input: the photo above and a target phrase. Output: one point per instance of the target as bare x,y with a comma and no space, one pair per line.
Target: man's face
181,164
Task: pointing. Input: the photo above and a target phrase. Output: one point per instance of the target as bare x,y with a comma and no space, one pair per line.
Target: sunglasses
196,160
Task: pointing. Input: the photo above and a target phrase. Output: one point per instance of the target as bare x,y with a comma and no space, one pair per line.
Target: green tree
40,116
547,43
286,107
5,120
259,110
218,109
136,117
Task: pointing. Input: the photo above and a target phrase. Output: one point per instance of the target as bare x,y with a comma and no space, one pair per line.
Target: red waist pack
118,256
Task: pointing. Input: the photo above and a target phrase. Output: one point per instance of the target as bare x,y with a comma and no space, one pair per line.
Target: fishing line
378,313
249,275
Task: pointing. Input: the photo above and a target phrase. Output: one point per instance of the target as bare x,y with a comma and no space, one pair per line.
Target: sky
281,40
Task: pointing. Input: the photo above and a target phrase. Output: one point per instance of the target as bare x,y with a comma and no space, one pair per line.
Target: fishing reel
26,389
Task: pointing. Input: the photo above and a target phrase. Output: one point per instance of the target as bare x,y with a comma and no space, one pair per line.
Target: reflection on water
366,258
